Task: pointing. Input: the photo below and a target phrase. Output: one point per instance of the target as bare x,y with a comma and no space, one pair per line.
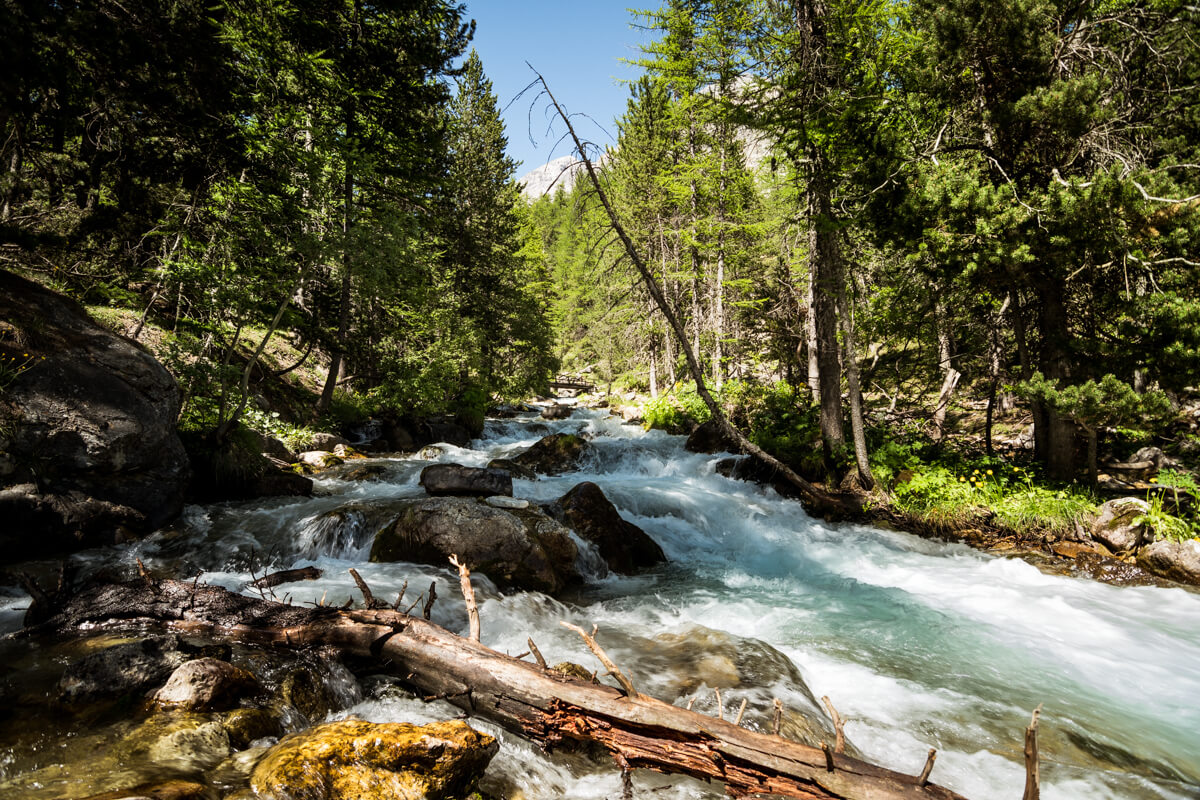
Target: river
918,643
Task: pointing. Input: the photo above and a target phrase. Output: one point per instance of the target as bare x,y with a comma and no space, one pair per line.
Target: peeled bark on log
536,703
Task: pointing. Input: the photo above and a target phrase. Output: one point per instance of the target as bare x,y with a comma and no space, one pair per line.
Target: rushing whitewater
918,643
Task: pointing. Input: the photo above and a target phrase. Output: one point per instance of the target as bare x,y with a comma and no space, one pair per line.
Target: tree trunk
950,374
1059,454
825,260
534,702
857,428
995,362
810,340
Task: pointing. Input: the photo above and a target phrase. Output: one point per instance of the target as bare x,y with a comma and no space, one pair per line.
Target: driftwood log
524,697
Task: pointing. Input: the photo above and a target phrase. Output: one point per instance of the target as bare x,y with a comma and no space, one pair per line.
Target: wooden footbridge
574,384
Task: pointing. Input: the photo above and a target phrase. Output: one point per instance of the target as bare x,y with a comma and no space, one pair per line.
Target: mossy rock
306,692
355,759
554,454
246,725
170,790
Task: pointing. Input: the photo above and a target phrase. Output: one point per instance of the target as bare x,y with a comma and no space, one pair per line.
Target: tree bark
536,703
825,263
857,427
950,375
1060,431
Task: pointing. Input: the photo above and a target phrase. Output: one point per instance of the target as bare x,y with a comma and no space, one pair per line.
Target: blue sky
578,46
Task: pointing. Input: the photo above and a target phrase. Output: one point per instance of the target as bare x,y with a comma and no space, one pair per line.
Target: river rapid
918,643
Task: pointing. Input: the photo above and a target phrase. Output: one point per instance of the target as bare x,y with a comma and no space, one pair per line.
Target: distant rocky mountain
548,177
756,148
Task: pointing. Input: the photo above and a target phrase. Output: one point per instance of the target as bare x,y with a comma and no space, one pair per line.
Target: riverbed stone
501,501
125,669
352,759
318,460
517,548
625,546
93,418
1176,561
246,725
557,411
184,743
206,684
1115,525
307,692
167,790
554,454
513,468
441,480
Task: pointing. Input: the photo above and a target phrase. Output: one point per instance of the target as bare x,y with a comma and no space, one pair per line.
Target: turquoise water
918,643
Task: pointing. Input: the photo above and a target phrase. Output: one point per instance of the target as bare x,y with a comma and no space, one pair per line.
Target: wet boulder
1116,525
557,411
206,684
625,546
186,744
554,454
518,548
513,468
246,725
168,790
318,460
92,416
454,479
126,669
1176,561
352,759
709,438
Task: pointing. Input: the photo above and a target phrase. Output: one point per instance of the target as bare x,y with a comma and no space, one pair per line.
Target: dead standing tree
814,497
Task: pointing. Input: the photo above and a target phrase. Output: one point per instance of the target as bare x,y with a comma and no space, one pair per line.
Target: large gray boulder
88,430
625,546
1177,561
1116,528
517,548
455,479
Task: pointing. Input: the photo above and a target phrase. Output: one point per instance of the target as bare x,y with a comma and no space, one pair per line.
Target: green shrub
676,411
1009,493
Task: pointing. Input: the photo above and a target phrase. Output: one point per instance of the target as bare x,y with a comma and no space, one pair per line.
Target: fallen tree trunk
523,697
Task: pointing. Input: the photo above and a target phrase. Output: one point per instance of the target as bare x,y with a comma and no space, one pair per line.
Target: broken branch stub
598,651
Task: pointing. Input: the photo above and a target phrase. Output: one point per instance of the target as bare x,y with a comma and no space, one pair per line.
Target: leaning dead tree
816,498
527,698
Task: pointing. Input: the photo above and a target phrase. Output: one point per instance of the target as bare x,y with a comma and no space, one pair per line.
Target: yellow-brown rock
352,759
171,790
